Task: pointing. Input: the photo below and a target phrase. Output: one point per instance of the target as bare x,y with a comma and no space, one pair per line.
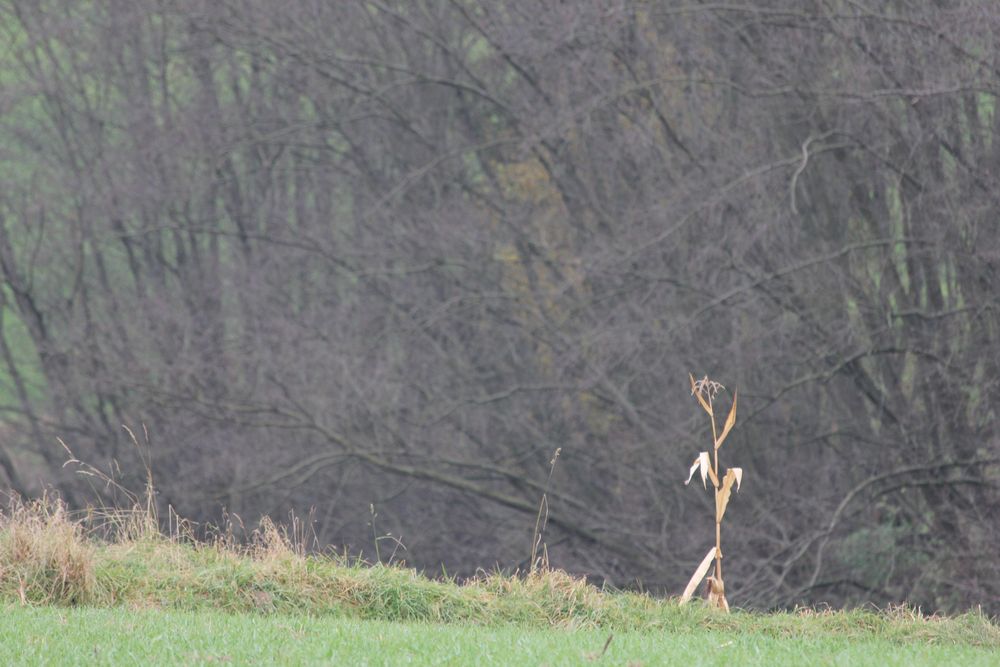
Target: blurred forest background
395,253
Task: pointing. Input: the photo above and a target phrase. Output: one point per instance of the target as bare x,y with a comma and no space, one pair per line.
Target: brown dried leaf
730,421
733,475
721,501
717,594
698,575
712,476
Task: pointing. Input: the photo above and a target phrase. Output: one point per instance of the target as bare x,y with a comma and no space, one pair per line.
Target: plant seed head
706,387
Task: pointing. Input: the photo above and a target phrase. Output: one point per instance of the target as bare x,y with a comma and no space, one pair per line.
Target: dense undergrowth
50,557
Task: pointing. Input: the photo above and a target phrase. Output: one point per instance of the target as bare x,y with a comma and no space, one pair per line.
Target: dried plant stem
704,390
541,521
715,481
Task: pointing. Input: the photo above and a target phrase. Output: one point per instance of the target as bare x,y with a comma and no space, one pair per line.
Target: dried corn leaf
722,497
717,594
701,399
721,501
694,469
738,474
730,421
698,575
701,463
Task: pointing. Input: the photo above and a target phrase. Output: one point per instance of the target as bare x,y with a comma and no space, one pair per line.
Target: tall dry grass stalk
540,562
135,518
706,390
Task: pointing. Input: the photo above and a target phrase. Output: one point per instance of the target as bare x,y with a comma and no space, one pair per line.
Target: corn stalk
705,390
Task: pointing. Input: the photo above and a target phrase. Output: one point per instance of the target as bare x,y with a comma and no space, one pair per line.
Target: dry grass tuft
44,556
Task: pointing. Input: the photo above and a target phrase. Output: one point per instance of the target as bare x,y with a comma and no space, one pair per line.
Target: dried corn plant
705,390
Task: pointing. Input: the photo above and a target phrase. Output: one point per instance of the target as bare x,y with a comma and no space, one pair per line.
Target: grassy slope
154,573
143,592
121,636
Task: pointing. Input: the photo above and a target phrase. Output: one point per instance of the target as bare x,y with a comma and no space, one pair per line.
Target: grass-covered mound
48,557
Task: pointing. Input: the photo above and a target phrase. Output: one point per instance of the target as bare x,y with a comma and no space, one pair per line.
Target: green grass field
120,636
136,596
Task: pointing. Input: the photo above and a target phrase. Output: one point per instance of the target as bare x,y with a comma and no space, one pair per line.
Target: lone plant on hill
705,390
